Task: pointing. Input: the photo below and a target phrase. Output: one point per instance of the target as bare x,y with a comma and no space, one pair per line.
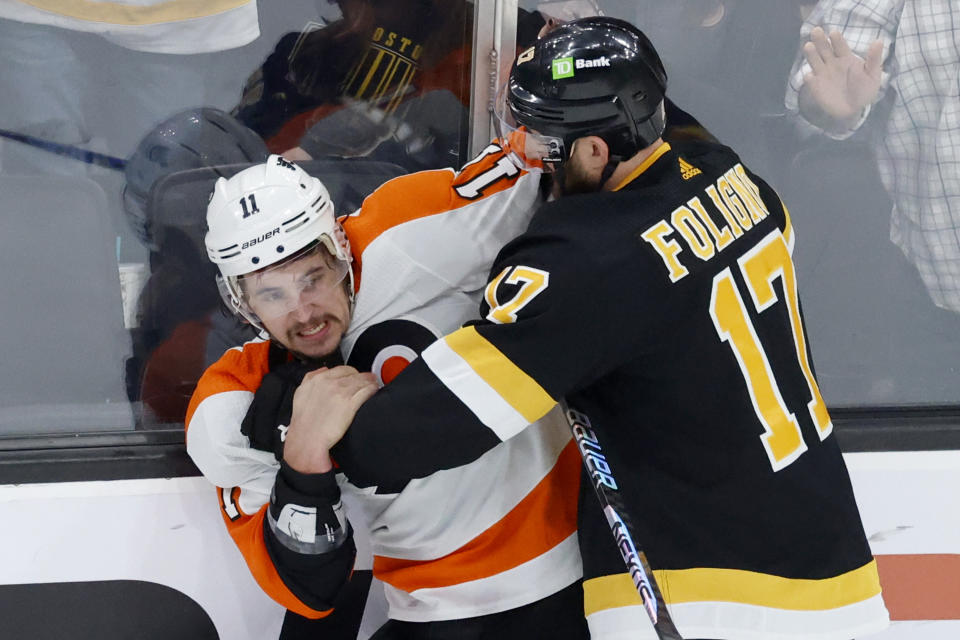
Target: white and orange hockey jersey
481,538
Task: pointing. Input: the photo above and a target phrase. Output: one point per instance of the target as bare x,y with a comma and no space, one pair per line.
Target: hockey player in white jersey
462,553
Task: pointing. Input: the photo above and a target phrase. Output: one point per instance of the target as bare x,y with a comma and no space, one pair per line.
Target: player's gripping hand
323,408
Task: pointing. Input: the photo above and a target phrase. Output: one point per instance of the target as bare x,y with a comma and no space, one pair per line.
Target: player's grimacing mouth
314,330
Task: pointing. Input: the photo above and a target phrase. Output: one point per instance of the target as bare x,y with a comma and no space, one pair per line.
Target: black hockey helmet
191,139
592,76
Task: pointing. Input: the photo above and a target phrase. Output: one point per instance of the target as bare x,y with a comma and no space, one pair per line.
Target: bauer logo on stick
632,559
589,444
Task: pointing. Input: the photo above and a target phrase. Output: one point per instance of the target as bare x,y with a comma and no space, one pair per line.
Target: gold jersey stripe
520,391
136,15
653,157
787,227
734,585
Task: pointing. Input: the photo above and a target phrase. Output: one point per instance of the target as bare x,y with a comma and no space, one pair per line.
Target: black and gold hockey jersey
668,312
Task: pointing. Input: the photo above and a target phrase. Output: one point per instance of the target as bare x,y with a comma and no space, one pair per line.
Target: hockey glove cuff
306,514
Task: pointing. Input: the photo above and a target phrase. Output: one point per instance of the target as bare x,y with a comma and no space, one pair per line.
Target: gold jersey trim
787,227
653,157
734,585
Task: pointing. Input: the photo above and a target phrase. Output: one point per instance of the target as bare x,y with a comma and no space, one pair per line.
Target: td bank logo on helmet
566,67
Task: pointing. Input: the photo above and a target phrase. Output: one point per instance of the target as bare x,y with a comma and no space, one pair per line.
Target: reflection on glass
874,201
876,83
387,80
116,311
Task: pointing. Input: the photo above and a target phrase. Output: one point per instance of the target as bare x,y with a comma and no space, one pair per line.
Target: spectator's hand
840,83
323,408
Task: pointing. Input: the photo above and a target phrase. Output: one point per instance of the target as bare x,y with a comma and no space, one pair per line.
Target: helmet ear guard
528,150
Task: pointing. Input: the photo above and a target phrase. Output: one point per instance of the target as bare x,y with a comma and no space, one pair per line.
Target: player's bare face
304,305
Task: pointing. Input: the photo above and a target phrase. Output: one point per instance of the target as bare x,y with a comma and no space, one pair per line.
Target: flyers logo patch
386,348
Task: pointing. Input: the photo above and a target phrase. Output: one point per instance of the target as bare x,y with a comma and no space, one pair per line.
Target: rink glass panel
110,311
106,333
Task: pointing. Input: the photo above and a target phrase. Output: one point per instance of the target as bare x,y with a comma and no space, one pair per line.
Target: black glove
269,414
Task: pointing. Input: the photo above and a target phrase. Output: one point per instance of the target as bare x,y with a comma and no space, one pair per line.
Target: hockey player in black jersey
657,296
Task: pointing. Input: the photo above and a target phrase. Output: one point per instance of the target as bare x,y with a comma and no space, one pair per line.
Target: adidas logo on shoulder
687,170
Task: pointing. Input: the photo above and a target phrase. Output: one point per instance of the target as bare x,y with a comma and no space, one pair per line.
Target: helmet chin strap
647,132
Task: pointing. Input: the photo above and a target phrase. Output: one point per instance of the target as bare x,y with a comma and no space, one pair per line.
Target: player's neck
628,166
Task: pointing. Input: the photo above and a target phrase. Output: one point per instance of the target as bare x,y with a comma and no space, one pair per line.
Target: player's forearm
311,459
308,538
410,429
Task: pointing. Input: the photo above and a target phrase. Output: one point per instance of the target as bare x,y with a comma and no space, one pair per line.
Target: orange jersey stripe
238,370
414,196
243,369
247,533
552,508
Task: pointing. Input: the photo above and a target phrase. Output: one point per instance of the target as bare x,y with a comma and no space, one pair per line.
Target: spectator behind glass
878,102
908,52
177,311
727,60
390,80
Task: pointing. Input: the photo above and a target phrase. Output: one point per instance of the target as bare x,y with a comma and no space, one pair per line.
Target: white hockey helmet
266,215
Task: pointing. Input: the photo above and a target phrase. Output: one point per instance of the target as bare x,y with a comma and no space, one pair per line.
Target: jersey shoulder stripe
500,394
506,544
239,369
426,193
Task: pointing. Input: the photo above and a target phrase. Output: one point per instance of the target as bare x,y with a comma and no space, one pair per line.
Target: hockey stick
67,150
608,492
